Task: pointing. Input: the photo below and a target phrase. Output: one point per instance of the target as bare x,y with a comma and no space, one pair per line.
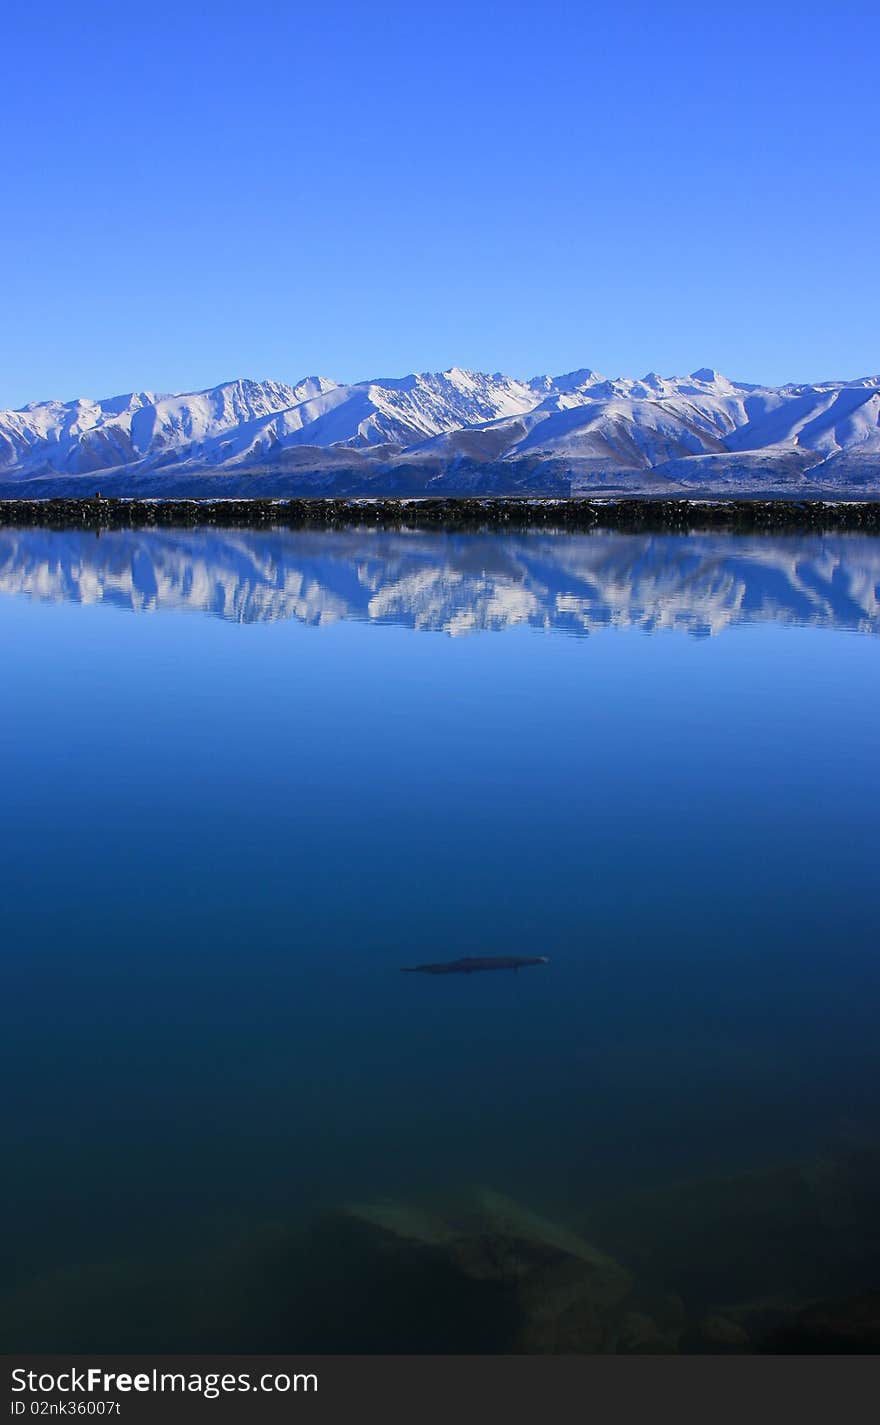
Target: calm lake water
247,776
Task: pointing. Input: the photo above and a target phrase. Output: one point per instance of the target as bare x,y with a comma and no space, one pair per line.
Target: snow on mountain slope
80,437
679,427
822,419
646,424
631,434
248,418
403,412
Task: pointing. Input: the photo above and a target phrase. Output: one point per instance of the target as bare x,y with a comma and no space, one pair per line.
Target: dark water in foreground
653,759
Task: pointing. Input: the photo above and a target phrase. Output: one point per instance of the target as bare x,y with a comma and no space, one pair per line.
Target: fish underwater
471,964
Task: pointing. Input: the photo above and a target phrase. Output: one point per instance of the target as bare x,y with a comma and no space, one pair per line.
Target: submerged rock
567,1295
720,1331
655,1335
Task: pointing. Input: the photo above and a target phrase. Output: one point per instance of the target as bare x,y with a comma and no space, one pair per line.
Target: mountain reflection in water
458,583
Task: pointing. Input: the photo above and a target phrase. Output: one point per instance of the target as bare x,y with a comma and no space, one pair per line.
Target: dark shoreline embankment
466,513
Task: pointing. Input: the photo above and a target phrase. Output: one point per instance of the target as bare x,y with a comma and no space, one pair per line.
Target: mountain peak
578,426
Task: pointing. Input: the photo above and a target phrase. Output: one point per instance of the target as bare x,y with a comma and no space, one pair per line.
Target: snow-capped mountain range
458,583
453,432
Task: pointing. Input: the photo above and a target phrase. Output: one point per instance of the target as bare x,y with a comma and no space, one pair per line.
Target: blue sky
197,192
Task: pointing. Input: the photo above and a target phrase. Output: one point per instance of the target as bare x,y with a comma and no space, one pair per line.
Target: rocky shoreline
466,513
